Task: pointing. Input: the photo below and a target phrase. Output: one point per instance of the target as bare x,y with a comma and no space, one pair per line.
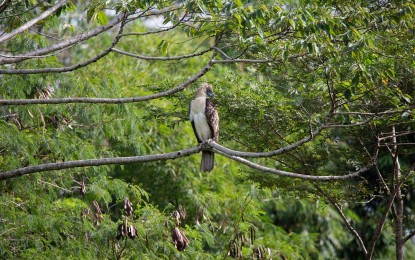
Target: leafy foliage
281,71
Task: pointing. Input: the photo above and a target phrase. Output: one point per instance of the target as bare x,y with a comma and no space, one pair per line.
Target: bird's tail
208,159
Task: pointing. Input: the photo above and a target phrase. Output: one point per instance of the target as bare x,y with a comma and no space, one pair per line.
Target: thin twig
142,57
411,234
345,220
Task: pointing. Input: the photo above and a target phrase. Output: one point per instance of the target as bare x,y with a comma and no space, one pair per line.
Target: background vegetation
315,100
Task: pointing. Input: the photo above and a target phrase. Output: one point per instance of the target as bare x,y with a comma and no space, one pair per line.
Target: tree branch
409,236
292,174
285,149
34,21
161,58
166,156
388,205
179,88
256,60
97,162
4,5
157,31
73,67
61,45
345,220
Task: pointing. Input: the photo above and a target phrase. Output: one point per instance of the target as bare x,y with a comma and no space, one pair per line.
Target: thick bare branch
97,162
292,174
285,149
34,21
172,155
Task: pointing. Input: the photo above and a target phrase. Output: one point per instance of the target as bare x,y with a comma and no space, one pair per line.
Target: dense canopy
315,159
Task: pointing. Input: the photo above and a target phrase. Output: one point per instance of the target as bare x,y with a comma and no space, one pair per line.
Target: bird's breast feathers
198,117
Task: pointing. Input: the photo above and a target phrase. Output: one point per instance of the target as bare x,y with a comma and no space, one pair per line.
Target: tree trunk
398,203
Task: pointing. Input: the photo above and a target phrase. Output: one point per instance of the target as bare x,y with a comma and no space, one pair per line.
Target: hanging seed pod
182,212
128,207
179,239
122,230
252,234
269,253
83,187
97,215
176,216
233,249
132,232
244,241
259,253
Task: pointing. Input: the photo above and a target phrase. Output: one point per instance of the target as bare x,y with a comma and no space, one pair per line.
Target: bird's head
206,90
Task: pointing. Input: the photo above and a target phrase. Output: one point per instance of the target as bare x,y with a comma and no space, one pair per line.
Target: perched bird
205,122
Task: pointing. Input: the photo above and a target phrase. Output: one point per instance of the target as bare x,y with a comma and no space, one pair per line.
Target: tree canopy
315,155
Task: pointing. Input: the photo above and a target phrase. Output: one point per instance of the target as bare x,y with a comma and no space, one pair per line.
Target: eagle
205,122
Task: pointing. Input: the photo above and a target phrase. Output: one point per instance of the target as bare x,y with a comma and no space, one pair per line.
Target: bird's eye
209,93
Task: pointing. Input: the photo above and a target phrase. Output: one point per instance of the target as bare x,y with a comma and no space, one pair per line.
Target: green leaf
102,18
347,94
163,46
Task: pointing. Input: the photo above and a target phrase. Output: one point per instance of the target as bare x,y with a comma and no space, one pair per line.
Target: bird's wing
212,119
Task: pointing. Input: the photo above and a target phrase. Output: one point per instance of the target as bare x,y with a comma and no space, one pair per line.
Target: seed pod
176,216
179,239
233,249
244,241
132,232
97,215
252,235
182,212
128,207
83,187
122,230
259,253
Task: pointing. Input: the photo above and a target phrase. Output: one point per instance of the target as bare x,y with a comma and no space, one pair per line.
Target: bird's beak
211,94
